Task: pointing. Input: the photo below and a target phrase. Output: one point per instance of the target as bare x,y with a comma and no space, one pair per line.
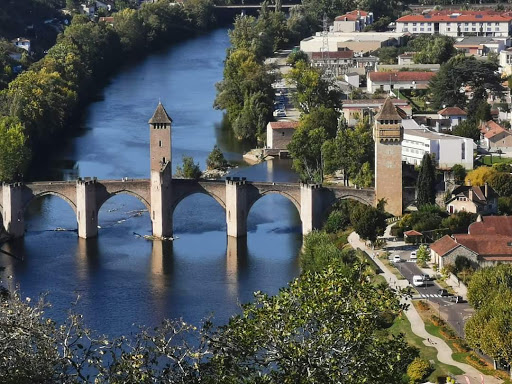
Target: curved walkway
444,352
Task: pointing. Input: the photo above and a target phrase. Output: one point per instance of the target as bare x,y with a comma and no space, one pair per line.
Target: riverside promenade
444,352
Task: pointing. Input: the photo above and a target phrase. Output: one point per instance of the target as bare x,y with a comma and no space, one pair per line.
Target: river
123,280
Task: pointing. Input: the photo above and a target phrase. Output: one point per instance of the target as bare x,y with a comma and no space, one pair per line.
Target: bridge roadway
235,195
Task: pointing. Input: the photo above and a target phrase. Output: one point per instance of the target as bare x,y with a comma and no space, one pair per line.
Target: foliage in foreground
189,169
324,327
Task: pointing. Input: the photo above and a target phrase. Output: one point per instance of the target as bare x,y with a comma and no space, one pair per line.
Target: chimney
470,194
486,190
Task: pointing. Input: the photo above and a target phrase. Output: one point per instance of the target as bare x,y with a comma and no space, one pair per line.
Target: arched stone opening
198,212
49,210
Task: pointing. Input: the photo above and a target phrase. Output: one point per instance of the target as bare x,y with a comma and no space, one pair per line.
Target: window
448,24
448,29
406,29
422,23
413,24
463,150
473,29
406,24
429,29
160,143
163,160
414,29
422,29
282,133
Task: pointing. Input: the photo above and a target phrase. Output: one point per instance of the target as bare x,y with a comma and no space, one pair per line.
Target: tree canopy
426,182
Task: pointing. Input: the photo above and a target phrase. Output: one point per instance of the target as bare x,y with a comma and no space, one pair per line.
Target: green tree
459,222
189,169
505,205
364,177
388,55
459,173
434,51
215,159
306,149
368,222
14,150
130,29
422,255
311,90
319,252
467,128
426,182
296,56
72,5
488,284
301,335
501,182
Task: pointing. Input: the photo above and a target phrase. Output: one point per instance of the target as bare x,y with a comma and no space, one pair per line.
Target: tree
216,160
306,150
368,222
419,370
459,173
467,128
295,56
72,5
387,55
14,151
501,182
433,51
319,252
130,29
459,222
461,71
321,328
189,170
480,176
488,284
311,90
426,182
422,255
364,177
505,205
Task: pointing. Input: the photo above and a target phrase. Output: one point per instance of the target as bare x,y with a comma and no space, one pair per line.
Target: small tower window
163,160
160,143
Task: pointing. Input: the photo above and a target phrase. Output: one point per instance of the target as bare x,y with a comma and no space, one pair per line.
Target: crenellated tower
161,171
388,135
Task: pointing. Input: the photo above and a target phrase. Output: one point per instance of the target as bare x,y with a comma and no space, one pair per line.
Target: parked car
280,113
426,277
456,299
413,255
396,259
443,292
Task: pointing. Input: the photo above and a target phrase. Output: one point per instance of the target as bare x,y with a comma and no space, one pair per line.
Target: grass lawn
402,325
486,160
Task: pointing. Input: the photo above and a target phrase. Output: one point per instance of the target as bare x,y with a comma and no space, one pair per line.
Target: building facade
354,110
474,199
457,23
279,134
354,21
494,137
388,81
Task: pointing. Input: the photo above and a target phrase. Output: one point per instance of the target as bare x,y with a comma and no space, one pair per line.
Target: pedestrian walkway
444,352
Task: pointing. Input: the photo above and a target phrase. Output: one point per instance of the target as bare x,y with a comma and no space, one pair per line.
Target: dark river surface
124,280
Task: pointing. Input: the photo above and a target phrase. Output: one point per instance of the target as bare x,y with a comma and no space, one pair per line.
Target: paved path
444,352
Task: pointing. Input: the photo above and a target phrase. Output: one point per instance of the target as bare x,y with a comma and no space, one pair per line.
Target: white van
418,281
413,255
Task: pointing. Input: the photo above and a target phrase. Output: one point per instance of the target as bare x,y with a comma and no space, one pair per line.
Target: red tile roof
444,245
452,111
492,225
458,16
413,233
491,129
404,76
284,124
346,54
487,245
375,101
352,15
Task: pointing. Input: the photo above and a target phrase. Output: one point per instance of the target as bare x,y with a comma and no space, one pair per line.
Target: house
457,23
406,58
493,137
353,110
408,67
354,21
454,115
352,78
22,43
506,62
446,150
474,199
107,19
88,9
279,134
479,45
487,243
339,61
387,81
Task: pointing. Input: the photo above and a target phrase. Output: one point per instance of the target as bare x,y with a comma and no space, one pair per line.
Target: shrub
337,221
189,170
437,321
461,346
462,263
216,159
419,369
423,305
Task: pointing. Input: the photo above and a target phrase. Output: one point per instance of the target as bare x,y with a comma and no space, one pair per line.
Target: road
456,314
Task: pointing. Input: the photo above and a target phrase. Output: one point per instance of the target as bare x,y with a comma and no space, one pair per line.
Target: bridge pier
13,214
310,207
236,207
161,189
86,209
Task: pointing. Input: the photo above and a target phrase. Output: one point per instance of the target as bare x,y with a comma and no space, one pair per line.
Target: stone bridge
235,195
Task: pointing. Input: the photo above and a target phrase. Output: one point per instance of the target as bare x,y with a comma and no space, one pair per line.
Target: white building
506,62
387,81
355,41
354,21
457,23
22,43
455,115
447,150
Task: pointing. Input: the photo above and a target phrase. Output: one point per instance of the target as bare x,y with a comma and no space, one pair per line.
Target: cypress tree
426,182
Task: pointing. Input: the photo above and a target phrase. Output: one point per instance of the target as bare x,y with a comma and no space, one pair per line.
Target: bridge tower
161,172
388,135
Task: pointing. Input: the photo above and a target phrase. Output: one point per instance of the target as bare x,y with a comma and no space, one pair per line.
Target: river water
124,280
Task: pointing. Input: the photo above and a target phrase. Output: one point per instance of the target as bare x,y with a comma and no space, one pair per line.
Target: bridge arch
257,197
124,192
49,193
329,207
198,191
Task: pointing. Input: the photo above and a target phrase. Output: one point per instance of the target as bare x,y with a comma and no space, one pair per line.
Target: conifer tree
426,182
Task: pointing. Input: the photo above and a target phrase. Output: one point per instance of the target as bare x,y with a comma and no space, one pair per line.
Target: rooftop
444,245
458,16
452,111
405,76
478,193
497,225
490,129
388,111
370,102
428,134
346,54
160,116
284,124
